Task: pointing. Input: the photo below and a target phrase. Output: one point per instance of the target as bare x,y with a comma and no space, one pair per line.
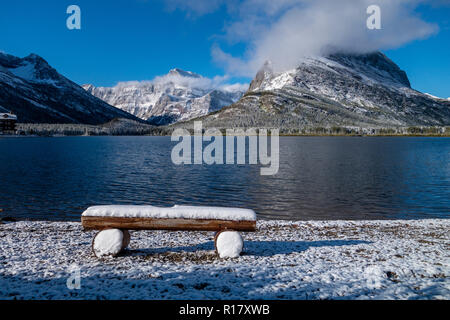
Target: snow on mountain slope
37,93
437,98
176,96
367,90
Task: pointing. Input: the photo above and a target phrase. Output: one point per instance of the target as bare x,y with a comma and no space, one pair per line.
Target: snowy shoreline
377,259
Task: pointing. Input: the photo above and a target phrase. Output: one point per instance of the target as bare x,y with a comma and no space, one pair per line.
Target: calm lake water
319,178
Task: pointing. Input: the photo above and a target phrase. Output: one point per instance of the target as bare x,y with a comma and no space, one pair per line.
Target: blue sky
140,39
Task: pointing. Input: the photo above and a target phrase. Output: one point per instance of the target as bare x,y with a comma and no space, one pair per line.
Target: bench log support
124,224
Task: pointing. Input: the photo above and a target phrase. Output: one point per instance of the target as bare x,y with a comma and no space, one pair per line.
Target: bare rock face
180,95
263,75
37,93
366,90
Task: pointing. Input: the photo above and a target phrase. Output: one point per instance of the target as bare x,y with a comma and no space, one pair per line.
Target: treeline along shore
123,127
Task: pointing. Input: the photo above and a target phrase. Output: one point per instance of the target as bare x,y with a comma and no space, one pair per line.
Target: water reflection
319,177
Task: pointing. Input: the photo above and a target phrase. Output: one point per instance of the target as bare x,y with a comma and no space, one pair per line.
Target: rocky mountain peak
36,92
264,74
32,57
30,68
338,90
87,86
178,95
376,65
182,73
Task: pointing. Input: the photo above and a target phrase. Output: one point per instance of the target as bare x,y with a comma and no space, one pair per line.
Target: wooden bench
115,221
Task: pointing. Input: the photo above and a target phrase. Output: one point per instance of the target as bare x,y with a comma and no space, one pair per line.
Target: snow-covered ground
283,260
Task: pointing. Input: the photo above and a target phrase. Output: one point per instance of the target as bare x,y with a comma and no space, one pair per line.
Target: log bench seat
113,223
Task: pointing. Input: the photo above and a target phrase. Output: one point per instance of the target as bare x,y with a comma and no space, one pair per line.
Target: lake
318,178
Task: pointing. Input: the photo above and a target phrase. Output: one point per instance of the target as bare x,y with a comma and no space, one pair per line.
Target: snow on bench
226,221
175,212
186,218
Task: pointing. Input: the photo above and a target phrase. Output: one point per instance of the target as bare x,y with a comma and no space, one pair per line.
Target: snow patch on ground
404,259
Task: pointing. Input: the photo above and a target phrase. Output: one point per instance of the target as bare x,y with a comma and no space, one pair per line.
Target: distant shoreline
130,128
281,135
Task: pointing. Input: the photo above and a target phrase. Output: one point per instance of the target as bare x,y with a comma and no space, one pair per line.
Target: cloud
199,82
284,31
235,87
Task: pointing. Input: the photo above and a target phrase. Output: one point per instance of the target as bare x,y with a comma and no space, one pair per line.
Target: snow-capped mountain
367,90
36,92
177,96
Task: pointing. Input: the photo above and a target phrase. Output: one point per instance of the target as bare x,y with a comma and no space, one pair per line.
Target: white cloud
204,83
283,31
235,87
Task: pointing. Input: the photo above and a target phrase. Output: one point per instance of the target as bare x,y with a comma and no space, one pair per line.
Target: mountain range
37,93
177,96
365,90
